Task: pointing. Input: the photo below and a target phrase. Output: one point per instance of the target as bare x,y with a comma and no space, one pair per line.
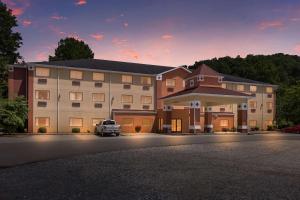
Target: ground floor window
42,121
77,122
268,122
160,124
252,123
224,122
176,125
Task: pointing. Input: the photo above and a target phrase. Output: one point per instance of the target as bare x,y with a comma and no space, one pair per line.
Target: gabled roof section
231,78
108,65
203,70
208,90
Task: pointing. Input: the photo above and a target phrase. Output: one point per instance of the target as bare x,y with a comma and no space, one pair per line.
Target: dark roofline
237,79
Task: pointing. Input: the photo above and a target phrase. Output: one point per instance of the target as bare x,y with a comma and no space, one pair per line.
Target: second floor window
253,88
42,94
269,105
269,90
42,72
98,76
127,99
76,96
252,104
126,79
191,83
146,99
98,97
240,88
76,74
170,82
145,80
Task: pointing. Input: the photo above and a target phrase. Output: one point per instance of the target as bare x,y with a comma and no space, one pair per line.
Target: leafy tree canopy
71,48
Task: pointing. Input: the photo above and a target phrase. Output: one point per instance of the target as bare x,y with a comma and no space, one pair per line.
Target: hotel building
80,93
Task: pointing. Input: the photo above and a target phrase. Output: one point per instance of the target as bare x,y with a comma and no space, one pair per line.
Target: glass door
176,125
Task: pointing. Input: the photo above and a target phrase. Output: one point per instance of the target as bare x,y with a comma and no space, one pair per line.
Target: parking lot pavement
253,169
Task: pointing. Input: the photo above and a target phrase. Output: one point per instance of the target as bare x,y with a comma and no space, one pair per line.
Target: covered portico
200,100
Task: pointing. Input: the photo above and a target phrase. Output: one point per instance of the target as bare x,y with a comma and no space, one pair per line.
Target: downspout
57,101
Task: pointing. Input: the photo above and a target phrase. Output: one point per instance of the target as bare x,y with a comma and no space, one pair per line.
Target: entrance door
176,125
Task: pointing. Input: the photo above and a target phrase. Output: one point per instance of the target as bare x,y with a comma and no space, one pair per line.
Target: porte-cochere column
195,126
167,118
208,118
242,117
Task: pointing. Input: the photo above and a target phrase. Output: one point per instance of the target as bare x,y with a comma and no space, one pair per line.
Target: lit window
240,88
43,72
146,99
127,122
146,122
75,74
191,83
224,85
269,90
127,99
268,122
145,80
220,79
252,123
252,104
224,122
77,122
76,96
269,105
42,121
99,97
253,88
126,79
98,76
42,94
96,121
170,82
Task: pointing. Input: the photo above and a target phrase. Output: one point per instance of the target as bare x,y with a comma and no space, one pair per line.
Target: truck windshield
109,122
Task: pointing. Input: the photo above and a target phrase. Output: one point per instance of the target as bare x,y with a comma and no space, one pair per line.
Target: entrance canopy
209,96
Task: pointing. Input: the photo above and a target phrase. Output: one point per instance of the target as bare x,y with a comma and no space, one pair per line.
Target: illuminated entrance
176,125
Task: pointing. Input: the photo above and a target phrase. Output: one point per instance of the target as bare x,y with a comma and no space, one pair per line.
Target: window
76,96
127,98
126,79
170,82
145,80
99,97
43,72
127,122
220,79
191,83
240,88
253,88
42,81
75,83
252,104
42,94
252,123
77,122
76,105
146,99
98,85
269,105
42,121
98,76
269,90
224,85
146,122
96,121
75,74
98,105
268,122
224,122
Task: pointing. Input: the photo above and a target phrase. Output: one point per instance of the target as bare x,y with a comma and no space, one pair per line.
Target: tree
71,48
10,42
13,114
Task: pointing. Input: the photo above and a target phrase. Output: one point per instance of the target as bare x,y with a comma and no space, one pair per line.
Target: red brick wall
17,85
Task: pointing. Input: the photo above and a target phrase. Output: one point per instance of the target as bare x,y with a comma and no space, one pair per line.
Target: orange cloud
297,49
130,53
57,17
97,36
42,56
275,24
26,22
17,7
167,37
17,11
80,2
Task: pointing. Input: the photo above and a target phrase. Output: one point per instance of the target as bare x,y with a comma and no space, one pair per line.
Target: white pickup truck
108,127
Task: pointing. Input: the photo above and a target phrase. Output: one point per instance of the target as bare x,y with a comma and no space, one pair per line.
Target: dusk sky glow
164,32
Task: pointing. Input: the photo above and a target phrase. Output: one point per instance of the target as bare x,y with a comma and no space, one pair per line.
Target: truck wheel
117,134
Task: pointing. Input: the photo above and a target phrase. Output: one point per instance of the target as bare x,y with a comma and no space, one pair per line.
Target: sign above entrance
195,104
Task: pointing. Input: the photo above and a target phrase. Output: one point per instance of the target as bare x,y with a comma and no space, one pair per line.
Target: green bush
138,129
42,130
75,130
270,128
233,129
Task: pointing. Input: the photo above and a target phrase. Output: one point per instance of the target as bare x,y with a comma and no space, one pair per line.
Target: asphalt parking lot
243,167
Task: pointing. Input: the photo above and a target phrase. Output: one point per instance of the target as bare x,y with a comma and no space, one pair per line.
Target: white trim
208,95
209,126
193,127
243,127
174,68
167,108
208,109
203,76
167,126
261,84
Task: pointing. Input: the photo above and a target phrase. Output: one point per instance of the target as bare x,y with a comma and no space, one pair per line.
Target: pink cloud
120,42
295,19
130,53
56,30
167,37
80,2
297,49
41,56
17,7
97,36
26,22
57,17
17,11
125,24
275,24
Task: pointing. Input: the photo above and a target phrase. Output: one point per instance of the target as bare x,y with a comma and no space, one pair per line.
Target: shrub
256,128
270,128
42,130
225,129
233,129
75,130
138,129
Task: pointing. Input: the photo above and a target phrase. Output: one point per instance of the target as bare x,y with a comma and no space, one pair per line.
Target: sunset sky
164,32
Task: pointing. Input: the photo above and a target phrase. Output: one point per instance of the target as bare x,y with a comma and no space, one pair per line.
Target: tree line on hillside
279,69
